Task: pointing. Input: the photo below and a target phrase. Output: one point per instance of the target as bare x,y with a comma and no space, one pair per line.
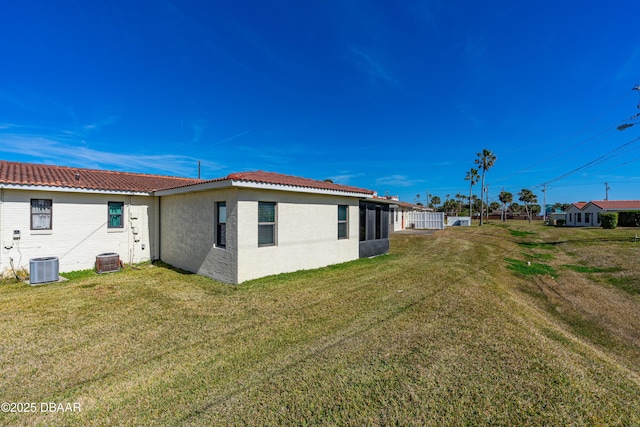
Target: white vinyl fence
425,220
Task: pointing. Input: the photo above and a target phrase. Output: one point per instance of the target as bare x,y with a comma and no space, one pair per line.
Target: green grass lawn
450,329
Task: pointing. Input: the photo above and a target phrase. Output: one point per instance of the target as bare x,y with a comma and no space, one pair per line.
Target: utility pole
606,190
544,202
502,213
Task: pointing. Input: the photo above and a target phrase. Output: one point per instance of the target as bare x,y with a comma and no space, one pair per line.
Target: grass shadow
162,264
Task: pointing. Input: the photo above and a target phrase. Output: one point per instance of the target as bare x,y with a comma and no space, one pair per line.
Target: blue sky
394,96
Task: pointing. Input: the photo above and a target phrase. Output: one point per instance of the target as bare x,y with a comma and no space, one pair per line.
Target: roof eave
191,188
62,189
300,189
227,183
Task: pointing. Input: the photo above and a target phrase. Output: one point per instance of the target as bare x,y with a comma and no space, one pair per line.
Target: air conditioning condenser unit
44,270
108,262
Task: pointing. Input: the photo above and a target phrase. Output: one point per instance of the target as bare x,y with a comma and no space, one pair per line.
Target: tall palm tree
529,199
505,197
435,201
460,198
485,161
472,177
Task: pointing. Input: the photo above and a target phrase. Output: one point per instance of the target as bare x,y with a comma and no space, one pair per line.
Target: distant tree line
472,205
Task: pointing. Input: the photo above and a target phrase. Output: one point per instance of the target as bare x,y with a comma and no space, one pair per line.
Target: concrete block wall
79,229
187,233
307,233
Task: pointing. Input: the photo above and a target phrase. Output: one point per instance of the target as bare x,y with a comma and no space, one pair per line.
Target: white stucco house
236,228
587,214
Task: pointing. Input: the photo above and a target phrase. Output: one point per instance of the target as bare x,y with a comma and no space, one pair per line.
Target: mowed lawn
494,325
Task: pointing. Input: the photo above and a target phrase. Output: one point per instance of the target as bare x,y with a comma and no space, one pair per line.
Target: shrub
609,220
629,219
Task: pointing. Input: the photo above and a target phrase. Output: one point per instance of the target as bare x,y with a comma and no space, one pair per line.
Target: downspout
159,230
130,247
1,224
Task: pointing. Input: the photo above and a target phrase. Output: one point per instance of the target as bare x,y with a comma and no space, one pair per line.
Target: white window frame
273,224
49,214
343,221
218,233
109,226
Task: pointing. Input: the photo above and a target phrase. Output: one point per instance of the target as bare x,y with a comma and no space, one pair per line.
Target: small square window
41,210
115,219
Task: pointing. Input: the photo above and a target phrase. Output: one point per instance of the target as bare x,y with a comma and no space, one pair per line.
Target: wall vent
108,262
43,270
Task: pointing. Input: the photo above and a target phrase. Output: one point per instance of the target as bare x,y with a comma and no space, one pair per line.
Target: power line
600,159
573,147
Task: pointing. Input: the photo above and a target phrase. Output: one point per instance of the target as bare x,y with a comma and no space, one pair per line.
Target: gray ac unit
43,270
108,262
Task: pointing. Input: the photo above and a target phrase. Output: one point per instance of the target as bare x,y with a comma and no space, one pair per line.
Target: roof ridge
38,175
302,181
80,169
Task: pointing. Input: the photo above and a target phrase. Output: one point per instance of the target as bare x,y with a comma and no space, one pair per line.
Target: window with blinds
266,224
41,212
221,224
115,216
343,223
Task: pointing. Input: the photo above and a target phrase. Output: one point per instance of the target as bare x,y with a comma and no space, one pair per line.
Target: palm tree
485,161
435,201
460,198
505,197
450,207
472,177
529,199
514,208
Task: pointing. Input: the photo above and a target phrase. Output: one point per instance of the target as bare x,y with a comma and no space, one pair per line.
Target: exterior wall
578,217
180,230
554,217
399,218
458,221
306,233
572,218
593,212
79,229
187,233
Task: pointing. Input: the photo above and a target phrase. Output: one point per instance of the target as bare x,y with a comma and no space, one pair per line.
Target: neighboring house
399,212
584,214
236,228
574,213
399,215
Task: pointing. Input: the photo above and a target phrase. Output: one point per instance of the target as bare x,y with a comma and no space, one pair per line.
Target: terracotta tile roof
89,179
292,181
579,205
93,179
617,204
